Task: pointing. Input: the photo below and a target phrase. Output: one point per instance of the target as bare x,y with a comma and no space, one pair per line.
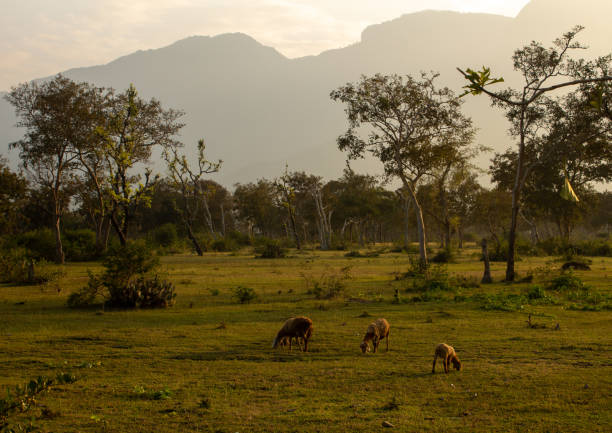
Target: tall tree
13,190
543,70
133,128
56,115
187,181
412,126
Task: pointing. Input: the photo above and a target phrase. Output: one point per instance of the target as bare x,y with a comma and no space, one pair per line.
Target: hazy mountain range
258,110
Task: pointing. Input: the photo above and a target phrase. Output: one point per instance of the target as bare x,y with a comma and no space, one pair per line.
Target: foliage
330,284
434,278
445,255
165,235
22,398
567,281
270,249
129,281
17,266
244,295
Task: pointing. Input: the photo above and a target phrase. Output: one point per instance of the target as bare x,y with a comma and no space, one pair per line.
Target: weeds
244,295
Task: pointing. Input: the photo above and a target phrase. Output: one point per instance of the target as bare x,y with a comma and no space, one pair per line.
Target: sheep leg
446,364
433,367
375,343
305,344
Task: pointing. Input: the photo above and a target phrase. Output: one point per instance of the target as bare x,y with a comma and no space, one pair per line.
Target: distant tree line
87,178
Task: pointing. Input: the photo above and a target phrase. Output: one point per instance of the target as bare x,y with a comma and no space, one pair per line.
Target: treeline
87,179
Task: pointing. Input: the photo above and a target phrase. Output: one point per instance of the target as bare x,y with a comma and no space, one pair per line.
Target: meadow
206,363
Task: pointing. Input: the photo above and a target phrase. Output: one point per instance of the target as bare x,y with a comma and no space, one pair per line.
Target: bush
80,245
39,243
87,295
224,244
128,280
244,294
567,281
270,249
435,278
18,267
443,256
330,284
239,238
165,235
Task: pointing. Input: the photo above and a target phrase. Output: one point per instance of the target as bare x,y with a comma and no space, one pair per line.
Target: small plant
204,403
214,292
567,281
330,284
163,394
393,404
244,294
435,278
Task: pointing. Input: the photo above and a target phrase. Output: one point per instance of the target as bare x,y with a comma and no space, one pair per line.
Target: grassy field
206,364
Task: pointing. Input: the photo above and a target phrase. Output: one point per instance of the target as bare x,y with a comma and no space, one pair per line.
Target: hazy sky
43,37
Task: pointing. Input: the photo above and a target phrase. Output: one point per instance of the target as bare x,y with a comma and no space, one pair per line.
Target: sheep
447,353
376,331
298,327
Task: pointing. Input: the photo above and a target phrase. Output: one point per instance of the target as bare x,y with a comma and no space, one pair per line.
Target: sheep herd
300,328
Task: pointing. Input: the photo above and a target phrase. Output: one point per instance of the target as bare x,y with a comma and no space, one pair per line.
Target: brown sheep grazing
377,330
447,353
296,327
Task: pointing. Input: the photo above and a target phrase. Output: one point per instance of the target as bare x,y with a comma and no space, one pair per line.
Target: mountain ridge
259,110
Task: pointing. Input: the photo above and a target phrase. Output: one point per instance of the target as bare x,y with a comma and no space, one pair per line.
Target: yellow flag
567,192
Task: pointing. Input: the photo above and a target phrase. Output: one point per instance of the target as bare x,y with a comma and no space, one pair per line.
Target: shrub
466,282
80,245
270,249
435,278
567,281
241,239
443,256
18,267
244,294
39,243
224,244
128,281
165,235
330,284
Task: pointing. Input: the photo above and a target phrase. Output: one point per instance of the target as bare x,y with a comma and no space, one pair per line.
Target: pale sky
42,37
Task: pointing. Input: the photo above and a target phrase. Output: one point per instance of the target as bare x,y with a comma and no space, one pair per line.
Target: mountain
259,110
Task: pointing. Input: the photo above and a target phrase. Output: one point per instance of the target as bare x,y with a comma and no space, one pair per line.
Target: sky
39,38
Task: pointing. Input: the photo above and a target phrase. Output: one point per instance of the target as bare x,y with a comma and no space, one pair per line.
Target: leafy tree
57,117
412,128
133,128
13,195
543,70
256,205
576,144
187,181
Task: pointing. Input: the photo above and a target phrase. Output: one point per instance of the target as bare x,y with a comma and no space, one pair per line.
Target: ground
206,364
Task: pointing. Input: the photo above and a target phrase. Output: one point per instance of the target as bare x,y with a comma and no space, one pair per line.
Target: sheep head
456,363
365,347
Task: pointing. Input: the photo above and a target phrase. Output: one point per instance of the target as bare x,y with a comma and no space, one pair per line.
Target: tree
412,128
187,181
133,128
13,190
542,69
57,117
256,205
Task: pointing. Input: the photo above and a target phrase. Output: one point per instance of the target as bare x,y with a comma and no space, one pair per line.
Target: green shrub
443,256
80,245
18,267
165,235
330,284
435,278
239,238
244,294
466,282
567,281
129,280
270,249
40,243
225,244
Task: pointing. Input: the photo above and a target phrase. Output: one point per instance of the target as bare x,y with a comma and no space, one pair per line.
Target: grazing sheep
447,353
377,330
298,327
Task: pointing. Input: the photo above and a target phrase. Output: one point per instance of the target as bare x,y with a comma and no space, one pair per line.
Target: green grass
178,370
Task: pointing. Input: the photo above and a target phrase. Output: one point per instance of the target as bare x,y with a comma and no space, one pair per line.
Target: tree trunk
193,239
460,235
486,277
406,206
117,227
59,251
223,220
